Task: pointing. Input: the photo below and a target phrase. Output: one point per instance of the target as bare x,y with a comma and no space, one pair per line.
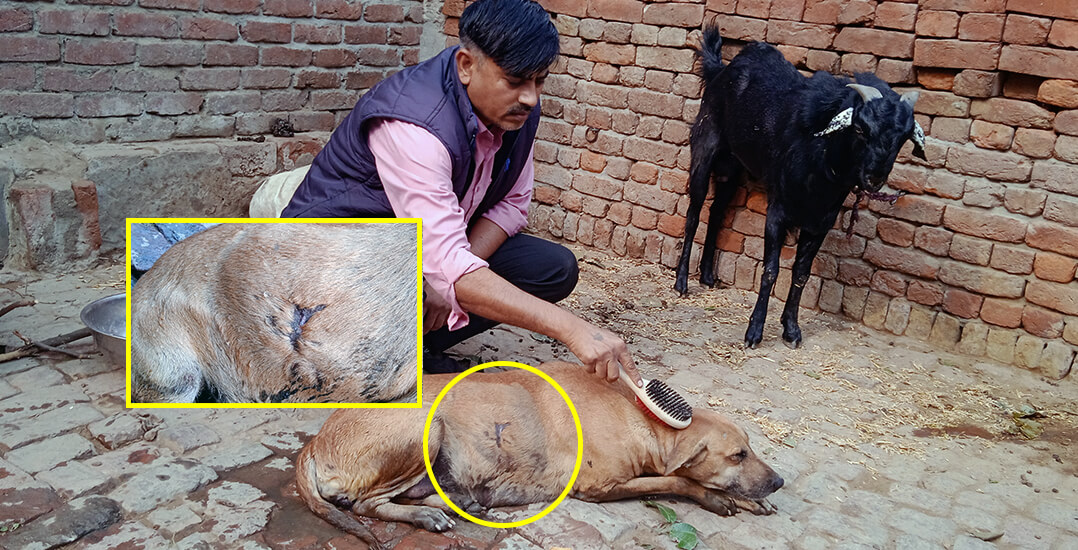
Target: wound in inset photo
272,312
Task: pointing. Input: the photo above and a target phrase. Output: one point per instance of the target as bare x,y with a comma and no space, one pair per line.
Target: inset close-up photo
273,312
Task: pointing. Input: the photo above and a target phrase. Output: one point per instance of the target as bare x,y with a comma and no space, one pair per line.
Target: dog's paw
757,507
433,519
720,504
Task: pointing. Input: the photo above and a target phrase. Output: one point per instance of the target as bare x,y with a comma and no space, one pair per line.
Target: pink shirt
416,172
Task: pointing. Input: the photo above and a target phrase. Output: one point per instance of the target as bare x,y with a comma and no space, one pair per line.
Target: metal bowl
107,320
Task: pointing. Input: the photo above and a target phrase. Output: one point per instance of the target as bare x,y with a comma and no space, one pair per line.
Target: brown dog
507,438
279,312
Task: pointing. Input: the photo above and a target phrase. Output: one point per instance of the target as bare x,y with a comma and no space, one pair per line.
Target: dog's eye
737,458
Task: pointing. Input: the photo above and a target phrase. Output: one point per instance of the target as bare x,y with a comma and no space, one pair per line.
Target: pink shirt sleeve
416,172
511,213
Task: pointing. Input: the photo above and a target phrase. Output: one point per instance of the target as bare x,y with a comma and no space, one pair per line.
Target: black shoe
435,362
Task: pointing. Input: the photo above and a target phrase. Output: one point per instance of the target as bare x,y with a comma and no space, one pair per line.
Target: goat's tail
710,52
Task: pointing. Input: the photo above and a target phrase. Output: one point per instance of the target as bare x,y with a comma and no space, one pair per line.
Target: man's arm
486,294
486,237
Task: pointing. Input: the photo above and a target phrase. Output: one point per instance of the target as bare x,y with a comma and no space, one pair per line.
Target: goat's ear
841,121
918,139
910,98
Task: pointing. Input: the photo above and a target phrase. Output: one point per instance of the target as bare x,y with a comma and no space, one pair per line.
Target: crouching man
450,141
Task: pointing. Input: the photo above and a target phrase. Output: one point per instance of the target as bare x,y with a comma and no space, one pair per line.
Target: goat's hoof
681,287
750,344
708,281
792,344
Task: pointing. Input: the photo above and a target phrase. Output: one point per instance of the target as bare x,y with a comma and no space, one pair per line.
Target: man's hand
435,309
602,352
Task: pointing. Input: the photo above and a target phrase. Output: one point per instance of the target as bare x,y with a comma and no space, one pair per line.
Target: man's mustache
520,110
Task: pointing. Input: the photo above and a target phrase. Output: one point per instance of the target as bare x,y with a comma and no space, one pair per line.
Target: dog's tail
710,53
307,486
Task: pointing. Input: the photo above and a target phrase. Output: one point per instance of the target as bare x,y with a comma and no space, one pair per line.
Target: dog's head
715,453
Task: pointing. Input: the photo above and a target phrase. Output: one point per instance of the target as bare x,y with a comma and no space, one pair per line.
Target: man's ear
466,65
685,455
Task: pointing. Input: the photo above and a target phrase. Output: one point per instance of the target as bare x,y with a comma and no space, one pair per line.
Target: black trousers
539,267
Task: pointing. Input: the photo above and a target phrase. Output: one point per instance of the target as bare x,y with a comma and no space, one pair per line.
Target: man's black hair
516,34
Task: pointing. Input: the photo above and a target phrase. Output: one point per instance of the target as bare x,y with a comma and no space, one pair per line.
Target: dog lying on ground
279,312
507,438
812,141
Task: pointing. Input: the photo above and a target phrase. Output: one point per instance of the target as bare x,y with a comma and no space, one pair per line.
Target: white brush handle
650,404
639,391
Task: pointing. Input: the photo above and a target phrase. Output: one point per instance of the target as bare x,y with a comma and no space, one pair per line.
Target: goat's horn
910,98
867,93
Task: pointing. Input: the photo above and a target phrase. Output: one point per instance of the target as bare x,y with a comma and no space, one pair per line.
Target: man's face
500,100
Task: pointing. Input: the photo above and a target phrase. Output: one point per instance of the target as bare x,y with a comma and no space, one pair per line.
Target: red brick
906,260
925,293
749,223
232,6
875,41
939,103
15,20
730,241
787,9
331,34
210,79
598,186
84,22
956,54
230,54
994,165
936,79
1023,29
983,27
675,15
187,5
644,218
1003,313
173,103
169,54
672,225
981,280
1034,143
146,24
574,8
20,48
984,6
288,8
287,57
260,31
545,194
1054,267
93,52
37,105
794,54
794,33
615,54
753,8
336,57
1011,112
405,36
1054,296
1047,62
56,79
985,224
1066,122
971,250
818,60
721,6
361,34
939,24
204,28
21,77
895,232
383,13
341,9
1064,34
961,303
989,135
896,15
853,63
889,283
757,202
742,28
854,272
951,129
857,12
1060,208
973,83
630,11
1042,322
108,105
1012,259
914,208
374,57
1061,93
1029,202
894,71
1067,10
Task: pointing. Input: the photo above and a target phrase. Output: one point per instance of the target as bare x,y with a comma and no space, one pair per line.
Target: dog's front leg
712,501
426,517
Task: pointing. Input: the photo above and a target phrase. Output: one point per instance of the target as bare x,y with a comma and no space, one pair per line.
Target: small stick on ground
23,303
46,345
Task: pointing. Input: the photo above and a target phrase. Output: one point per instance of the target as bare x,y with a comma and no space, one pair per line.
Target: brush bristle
647,412
669,400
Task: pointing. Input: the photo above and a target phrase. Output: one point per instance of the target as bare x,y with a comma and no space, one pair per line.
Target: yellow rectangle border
419,316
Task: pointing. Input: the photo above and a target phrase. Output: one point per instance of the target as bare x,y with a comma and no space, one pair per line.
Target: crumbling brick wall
151,70
979,257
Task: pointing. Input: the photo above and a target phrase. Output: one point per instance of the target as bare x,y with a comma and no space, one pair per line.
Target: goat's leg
807,247
704,144
726,180
774,232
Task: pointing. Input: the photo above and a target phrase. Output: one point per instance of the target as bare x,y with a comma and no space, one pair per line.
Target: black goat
811,140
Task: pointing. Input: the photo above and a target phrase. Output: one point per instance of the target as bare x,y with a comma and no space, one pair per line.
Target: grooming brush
661,402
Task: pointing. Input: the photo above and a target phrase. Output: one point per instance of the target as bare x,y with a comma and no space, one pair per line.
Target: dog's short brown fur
507,438
279,312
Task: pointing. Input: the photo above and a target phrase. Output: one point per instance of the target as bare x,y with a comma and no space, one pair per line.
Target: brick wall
148,70
980,256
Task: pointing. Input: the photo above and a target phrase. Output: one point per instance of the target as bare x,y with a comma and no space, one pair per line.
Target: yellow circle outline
579,445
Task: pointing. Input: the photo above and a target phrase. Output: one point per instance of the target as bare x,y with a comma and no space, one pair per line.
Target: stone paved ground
884,442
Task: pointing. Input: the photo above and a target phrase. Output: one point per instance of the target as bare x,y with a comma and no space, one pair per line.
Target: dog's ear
685,455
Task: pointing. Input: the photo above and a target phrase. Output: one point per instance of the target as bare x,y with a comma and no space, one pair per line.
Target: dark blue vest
343,182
